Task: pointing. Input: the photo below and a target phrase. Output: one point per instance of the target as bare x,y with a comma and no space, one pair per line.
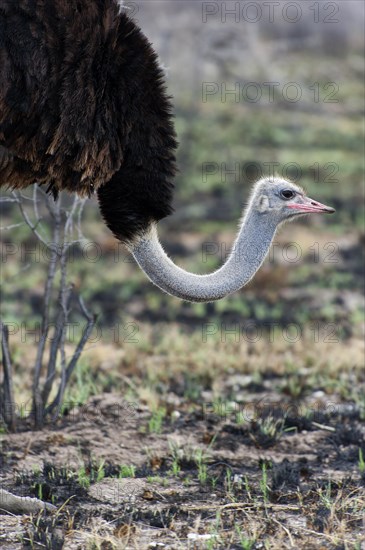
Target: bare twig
8,411
72,364
23,505
64,222
35,205
55,347
24,197
65,294
58,344
78,226
13,226
292,545
91,320
38,402
27,220
323,427
70,216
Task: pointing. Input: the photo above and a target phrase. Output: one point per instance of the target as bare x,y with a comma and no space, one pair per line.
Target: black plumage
83,107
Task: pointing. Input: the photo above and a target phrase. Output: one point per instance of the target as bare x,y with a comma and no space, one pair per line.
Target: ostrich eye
287,194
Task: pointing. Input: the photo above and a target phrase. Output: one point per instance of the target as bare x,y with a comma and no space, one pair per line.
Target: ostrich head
282,200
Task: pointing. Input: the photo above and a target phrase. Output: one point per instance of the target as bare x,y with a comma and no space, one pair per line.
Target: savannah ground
233,425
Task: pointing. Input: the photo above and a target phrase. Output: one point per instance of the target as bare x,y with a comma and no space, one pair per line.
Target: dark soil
280,470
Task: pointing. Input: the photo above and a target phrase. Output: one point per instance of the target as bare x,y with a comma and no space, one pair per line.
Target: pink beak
309,205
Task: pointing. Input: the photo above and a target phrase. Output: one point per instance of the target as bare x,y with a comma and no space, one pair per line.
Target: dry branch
8,406
63,223
15,504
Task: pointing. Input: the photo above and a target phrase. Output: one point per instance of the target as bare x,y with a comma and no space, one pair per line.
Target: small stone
175,415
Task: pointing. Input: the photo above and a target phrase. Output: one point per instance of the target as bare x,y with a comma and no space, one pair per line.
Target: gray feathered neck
256,232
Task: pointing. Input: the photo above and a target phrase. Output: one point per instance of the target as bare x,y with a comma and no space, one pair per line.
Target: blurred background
296,70
272,377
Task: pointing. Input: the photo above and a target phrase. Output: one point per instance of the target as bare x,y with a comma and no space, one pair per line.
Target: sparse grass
83,388
156,420
83,477
127,471
176,455
264,483
229,485
325,496
42,532
201,462
245,542
91,473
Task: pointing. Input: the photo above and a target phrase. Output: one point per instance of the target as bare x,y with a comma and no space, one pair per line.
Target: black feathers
83,107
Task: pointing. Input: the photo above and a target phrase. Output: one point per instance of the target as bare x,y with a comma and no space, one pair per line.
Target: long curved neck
249,250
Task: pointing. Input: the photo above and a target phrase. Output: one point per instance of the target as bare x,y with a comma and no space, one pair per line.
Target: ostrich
83,108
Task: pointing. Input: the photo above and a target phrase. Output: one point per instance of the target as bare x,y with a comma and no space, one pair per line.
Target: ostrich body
83,107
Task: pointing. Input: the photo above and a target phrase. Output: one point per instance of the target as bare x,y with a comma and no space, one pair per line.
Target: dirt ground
270,473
